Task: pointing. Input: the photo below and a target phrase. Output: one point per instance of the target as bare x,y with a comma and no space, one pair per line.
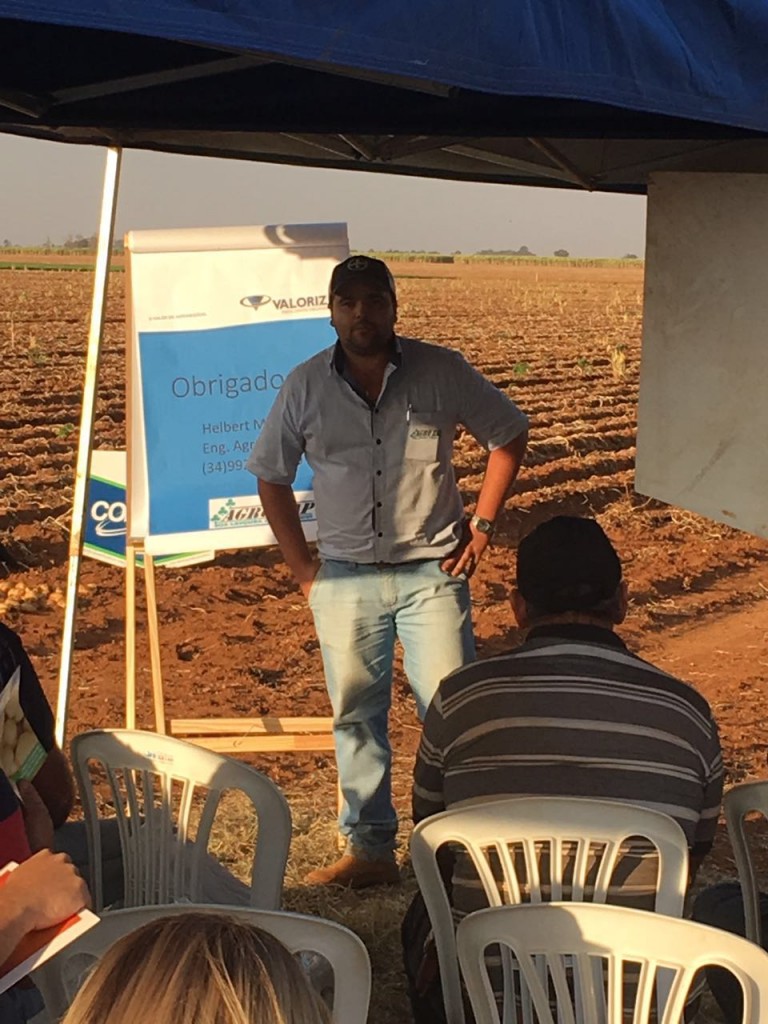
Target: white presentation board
218,318
703,417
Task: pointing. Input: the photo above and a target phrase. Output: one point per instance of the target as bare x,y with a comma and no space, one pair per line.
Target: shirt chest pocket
426,433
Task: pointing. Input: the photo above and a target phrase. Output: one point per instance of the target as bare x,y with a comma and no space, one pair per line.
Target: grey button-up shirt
384,485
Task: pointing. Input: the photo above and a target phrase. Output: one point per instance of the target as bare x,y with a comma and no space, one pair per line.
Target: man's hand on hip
465,558
305,577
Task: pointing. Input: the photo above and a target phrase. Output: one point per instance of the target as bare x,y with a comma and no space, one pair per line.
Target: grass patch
373,914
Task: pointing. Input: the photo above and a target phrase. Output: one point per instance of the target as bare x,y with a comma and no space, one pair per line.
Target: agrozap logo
255,301
224,513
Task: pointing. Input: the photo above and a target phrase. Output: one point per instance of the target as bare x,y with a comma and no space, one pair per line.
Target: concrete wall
703,414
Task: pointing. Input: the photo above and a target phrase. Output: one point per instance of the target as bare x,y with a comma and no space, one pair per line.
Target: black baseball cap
567,564
362,268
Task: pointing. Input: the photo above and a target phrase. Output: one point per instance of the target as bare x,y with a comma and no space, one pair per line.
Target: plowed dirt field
236,635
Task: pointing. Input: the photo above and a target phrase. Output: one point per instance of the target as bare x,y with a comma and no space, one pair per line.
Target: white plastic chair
156,783
549,941
60,978
738,802
539,824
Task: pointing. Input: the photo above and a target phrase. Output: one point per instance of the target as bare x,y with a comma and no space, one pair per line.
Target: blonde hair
198,968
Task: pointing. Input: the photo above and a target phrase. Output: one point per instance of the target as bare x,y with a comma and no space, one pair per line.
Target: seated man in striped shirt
571,712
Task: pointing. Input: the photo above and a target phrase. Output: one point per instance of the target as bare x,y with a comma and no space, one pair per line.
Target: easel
225,735
250,735
187,249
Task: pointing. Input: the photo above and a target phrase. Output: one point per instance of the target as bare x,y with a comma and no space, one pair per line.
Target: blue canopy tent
588,95
543,92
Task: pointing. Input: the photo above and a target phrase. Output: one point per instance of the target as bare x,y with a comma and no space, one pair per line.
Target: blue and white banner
219,317
106,523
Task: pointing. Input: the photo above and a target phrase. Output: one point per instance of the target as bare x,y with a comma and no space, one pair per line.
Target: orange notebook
36,947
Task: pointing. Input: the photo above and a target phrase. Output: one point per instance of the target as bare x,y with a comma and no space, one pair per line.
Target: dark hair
567,564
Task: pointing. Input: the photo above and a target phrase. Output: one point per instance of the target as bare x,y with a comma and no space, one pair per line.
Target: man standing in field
376,416
570,713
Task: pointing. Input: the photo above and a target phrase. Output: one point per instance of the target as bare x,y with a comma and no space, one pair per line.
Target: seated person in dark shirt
53,784
53,787
54,779
45,888
43,891
14,841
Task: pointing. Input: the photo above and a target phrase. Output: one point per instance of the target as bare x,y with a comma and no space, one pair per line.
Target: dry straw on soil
373,914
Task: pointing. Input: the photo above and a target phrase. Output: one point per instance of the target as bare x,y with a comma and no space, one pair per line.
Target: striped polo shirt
571,712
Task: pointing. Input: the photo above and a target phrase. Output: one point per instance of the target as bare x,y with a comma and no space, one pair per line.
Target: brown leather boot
356,873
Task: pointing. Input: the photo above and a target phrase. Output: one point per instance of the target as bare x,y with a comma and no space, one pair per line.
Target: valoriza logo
111,518
286,304
300,303
255,301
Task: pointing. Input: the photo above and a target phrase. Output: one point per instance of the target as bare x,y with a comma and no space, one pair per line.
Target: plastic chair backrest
157,784
738,802
489,828
551,941
344,951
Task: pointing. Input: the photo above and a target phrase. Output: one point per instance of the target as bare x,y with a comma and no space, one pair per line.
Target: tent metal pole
85,440
560,161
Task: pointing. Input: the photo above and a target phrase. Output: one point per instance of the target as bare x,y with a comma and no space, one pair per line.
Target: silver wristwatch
485,526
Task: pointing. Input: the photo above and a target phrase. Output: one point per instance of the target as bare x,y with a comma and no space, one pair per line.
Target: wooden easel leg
130,636
158,698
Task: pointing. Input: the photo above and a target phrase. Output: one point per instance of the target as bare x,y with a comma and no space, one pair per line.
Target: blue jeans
359,610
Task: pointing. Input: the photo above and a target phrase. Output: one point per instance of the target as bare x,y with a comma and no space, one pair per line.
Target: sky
53,191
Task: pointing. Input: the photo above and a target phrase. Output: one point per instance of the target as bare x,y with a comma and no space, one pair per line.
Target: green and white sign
107,519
